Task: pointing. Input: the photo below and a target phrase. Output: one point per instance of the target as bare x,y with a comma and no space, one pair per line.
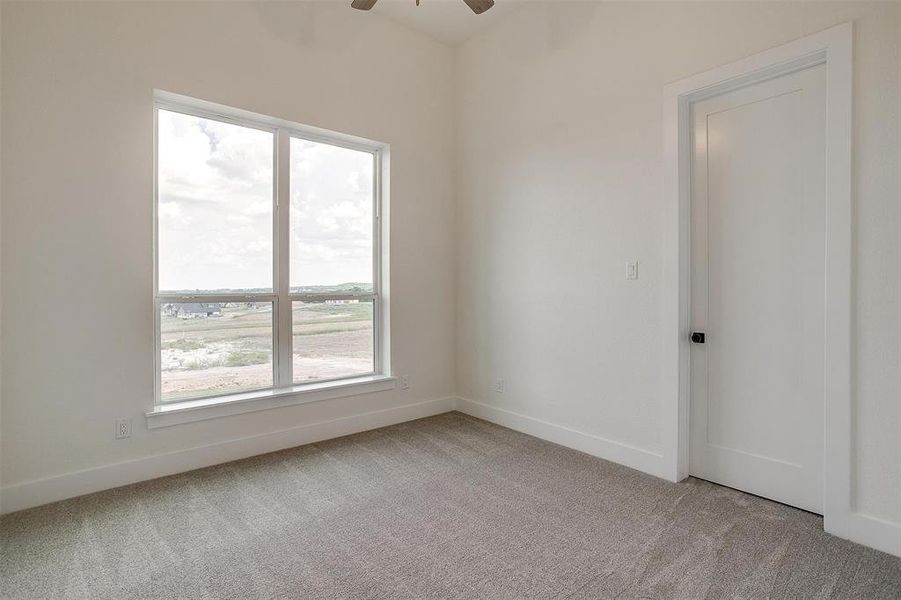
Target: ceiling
448,21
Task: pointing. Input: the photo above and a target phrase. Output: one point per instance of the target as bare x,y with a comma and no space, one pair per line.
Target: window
268,246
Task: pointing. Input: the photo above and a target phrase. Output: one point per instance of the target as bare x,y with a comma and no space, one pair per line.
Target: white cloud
215,182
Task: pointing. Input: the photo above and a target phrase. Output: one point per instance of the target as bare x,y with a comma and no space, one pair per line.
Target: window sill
174,413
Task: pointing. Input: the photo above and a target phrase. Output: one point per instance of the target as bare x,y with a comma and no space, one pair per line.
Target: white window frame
283,391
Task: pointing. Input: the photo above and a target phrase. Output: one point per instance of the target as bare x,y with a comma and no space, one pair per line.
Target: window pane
211,348
215,205
332,338
331,218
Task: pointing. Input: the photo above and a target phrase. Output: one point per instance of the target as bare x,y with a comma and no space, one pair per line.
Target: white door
757,286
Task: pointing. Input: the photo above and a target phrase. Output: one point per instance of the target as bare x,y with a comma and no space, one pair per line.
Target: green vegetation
242,335
234,359
340,288
320,318
251,320
243,359
232,351
325,330
183,344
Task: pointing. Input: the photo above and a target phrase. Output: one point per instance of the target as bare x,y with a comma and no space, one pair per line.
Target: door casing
831,47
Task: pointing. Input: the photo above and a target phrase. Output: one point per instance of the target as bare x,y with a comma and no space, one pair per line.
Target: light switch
632,270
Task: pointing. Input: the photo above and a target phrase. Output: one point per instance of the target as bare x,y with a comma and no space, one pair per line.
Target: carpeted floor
444,507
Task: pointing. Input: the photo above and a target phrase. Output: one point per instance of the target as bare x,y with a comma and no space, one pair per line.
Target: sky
216,208
331,214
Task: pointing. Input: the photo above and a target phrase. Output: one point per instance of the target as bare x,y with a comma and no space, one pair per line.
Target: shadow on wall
552,30
306,25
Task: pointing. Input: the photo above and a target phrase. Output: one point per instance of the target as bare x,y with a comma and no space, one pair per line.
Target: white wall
560,138
77,199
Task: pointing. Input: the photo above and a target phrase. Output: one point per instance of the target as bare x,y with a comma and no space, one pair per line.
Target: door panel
758,265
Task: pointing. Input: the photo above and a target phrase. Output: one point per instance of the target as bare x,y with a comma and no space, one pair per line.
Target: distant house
343,301
194,310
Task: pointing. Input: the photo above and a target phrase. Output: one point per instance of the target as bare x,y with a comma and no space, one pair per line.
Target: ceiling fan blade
363,4
478,6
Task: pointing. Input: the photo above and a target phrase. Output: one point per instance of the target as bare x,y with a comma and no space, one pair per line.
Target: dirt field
233,352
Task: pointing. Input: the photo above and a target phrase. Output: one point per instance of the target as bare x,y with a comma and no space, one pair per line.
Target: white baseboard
624,454
856,527
868,531
50,489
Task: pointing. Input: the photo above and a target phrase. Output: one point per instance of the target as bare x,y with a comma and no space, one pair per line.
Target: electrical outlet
404,382
500,385
632,270
123,428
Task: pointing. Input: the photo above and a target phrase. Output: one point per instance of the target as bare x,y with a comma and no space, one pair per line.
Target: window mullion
377,325
284,375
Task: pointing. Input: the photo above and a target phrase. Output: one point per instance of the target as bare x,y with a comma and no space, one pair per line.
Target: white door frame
832,47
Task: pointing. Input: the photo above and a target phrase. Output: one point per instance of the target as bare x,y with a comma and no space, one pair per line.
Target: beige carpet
445,507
